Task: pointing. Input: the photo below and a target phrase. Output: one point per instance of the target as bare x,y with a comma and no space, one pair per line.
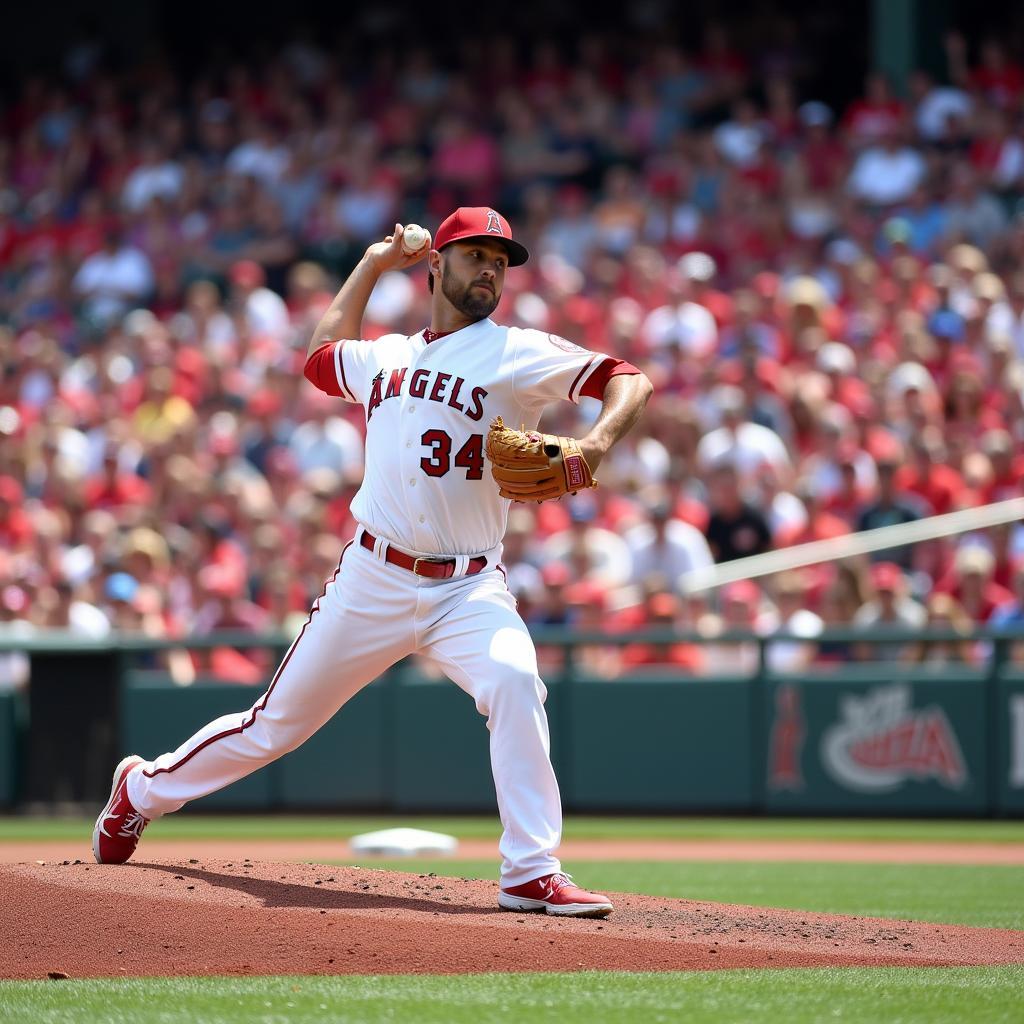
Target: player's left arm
624,398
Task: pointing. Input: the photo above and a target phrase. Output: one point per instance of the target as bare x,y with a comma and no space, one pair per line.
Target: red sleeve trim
579,376
322,368
598,380
319,371
339,364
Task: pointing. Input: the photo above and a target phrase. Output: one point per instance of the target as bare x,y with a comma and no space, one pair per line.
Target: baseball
413,239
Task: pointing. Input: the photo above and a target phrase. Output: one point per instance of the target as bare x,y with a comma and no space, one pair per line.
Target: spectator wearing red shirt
821,524
1007,463
823,156
225,607
971,583
848,499
876,114
16,529
662,610
998,78
965,412
927,475
115,488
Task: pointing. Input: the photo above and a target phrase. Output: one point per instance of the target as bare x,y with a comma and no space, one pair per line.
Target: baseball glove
530,466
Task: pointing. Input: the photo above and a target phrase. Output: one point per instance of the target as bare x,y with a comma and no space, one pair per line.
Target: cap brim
517,254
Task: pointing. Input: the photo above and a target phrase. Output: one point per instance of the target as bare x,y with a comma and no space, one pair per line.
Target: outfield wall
864,739
899,745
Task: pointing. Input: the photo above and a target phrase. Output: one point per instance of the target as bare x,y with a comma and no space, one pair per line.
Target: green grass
948,894
929,996
204,826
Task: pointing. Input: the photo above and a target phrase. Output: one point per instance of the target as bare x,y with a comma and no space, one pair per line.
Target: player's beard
475,303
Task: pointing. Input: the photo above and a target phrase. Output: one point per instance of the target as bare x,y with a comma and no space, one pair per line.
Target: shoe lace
559,880
133,825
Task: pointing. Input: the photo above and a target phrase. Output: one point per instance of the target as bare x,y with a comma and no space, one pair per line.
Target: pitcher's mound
243,917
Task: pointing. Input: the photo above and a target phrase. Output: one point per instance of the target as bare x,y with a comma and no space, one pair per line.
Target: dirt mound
240,917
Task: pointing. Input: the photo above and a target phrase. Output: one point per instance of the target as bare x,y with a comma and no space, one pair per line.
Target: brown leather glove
530,466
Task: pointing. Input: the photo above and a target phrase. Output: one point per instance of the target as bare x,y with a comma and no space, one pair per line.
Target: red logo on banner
786,743
882,741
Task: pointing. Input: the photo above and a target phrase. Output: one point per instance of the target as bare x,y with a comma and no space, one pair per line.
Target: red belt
434,568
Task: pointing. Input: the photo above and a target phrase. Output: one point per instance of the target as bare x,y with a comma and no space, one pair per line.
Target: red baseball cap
480,222
886,576
247,273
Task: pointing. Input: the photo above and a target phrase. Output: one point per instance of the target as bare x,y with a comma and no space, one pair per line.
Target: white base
403,842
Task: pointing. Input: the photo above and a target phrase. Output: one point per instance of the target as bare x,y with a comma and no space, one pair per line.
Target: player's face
472,276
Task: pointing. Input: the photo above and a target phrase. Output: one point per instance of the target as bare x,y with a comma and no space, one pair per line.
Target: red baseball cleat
119,826
555,894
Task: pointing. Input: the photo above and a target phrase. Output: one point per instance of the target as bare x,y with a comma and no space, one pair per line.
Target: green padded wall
156,718
9,750
666,745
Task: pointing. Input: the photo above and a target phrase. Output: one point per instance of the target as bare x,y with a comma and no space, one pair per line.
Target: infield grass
227,826
868,995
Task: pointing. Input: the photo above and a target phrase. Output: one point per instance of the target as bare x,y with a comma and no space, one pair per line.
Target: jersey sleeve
549,368
338,368
608,368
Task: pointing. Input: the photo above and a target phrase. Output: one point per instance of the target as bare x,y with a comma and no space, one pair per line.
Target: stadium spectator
742,610
945,614
890,508
792,591
735,529
827,297
1011,613
887,173
112,280
664,545
891,607
738,440
971,584
663,609
588,550
63,606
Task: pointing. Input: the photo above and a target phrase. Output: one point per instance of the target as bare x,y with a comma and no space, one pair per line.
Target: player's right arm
335,358
344,316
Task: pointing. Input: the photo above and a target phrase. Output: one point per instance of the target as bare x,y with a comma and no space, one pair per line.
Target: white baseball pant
371,615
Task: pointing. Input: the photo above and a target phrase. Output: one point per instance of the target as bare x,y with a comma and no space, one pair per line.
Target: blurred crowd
830,303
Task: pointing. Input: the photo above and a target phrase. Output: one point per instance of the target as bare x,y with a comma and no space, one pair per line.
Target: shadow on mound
281,893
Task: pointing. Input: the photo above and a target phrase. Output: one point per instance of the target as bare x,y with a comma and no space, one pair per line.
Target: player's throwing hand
389,254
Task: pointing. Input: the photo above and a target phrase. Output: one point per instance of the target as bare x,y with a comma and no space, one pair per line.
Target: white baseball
413,239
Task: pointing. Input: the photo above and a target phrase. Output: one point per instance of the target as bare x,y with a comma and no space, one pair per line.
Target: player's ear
433,267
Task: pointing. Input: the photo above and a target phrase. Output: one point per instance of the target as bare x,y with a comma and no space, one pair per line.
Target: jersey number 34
469,457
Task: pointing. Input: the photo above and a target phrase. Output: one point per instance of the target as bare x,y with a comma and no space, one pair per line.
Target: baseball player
423,572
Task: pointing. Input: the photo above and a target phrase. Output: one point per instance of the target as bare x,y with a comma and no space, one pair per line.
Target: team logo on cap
494,223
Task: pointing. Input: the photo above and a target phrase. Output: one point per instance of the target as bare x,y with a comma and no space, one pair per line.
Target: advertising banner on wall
1010,746
906,745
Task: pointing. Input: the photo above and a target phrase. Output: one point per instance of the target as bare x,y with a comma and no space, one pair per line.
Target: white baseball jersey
428,491
428,408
